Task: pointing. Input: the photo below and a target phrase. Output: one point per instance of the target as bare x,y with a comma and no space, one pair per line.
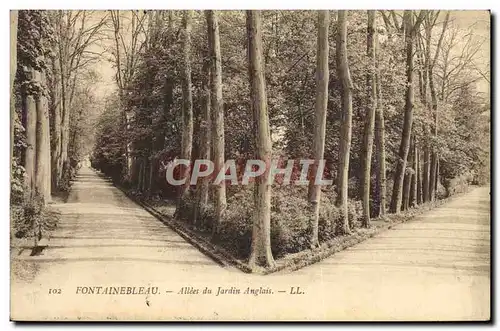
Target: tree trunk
434,157
13,69
346,100
135,170
406,191
65,111
140,163
121,85
424,99
408,179
261,235
426,171
42,149
187,105
437,177
128,145
30,115
56,126
408,117
145,172
432,177
322,77
380,144
414,177
152,171
217,109
65,135
369,116
419,177
48,153
205,137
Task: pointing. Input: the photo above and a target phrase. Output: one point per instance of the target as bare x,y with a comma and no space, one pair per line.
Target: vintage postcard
275,165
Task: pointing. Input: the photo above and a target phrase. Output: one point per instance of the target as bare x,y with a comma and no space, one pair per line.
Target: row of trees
395,111
51,99
219,85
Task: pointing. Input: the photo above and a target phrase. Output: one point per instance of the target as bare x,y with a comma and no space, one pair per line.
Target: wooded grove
391,100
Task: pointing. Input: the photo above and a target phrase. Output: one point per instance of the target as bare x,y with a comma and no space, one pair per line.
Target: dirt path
437,267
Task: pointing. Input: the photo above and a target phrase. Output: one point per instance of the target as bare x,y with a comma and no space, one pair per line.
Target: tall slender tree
187,101
381,187
407,181
434,176
217,110
418,169
369,115
202,189
423,57
125,55
261,234
414,177
410,28
42,150
322,76
346,128
55,116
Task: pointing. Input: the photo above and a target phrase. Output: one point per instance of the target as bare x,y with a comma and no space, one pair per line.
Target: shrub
355,212
17,183
27,218
441,191
235,232
31,219
186,210
206,216
65,182
330,218
290,220
457,185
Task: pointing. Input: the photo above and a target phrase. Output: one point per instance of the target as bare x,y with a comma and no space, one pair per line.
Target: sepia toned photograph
250,165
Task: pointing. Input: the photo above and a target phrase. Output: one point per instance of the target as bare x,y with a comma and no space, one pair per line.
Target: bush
206,216
17,183
290,220
31,219
67,175
186,210
355,212
330,218
27,218
441,191
235,232
457,185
